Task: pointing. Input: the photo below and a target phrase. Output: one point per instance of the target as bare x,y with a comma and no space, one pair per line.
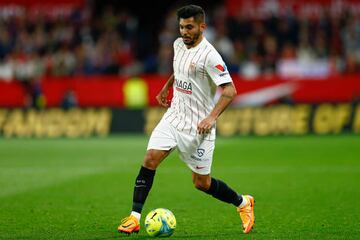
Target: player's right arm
163,94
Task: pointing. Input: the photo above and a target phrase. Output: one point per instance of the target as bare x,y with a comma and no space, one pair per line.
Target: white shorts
195,151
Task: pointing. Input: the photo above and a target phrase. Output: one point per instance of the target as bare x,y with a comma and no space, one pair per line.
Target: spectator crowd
85,43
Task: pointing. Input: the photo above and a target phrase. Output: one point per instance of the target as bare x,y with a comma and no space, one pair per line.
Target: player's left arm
227,95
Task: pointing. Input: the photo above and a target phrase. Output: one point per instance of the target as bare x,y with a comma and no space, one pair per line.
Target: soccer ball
160,222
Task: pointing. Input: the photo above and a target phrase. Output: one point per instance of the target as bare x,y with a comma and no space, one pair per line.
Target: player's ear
202,27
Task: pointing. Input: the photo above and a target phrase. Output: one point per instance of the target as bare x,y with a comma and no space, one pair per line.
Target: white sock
244,201
136,214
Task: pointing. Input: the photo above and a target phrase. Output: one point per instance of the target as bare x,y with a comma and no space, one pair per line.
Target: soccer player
189,123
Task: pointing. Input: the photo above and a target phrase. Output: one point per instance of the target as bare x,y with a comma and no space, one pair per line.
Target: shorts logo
197,167
200,152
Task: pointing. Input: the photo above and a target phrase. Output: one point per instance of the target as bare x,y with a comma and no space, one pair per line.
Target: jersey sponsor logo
183,86
222,69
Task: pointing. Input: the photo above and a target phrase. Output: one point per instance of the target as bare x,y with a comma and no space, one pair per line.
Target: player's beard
194,39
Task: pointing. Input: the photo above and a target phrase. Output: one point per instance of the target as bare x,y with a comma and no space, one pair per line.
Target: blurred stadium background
78,81
296,65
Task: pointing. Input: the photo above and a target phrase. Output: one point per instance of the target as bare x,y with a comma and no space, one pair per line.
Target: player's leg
197,153
216,188
160,144
220,190
145,178
143,184
200,161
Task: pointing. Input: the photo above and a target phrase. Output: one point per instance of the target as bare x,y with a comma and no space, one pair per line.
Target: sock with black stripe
142,188
219,190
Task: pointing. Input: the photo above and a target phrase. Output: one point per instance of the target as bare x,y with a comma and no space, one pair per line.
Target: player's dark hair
189,11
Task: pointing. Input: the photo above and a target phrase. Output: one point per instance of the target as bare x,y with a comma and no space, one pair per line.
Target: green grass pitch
305,188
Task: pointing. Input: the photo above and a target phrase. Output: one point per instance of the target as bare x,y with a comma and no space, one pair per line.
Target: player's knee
149,161
152,159
201,185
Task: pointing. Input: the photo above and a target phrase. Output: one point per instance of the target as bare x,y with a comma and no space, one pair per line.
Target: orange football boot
247,214
129,225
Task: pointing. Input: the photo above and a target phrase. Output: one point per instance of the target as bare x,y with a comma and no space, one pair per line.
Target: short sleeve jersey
197,72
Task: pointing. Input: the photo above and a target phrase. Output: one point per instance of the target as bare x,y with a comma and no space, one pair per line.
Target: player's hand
162,98
205,125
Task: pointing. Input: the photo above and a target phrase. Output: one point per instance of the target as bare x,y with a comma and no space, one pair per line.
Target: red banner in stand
259,9
34,8
99,91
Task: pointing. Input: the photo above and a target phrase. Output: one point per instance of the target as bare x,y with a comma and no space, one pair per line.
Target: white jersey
197,72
